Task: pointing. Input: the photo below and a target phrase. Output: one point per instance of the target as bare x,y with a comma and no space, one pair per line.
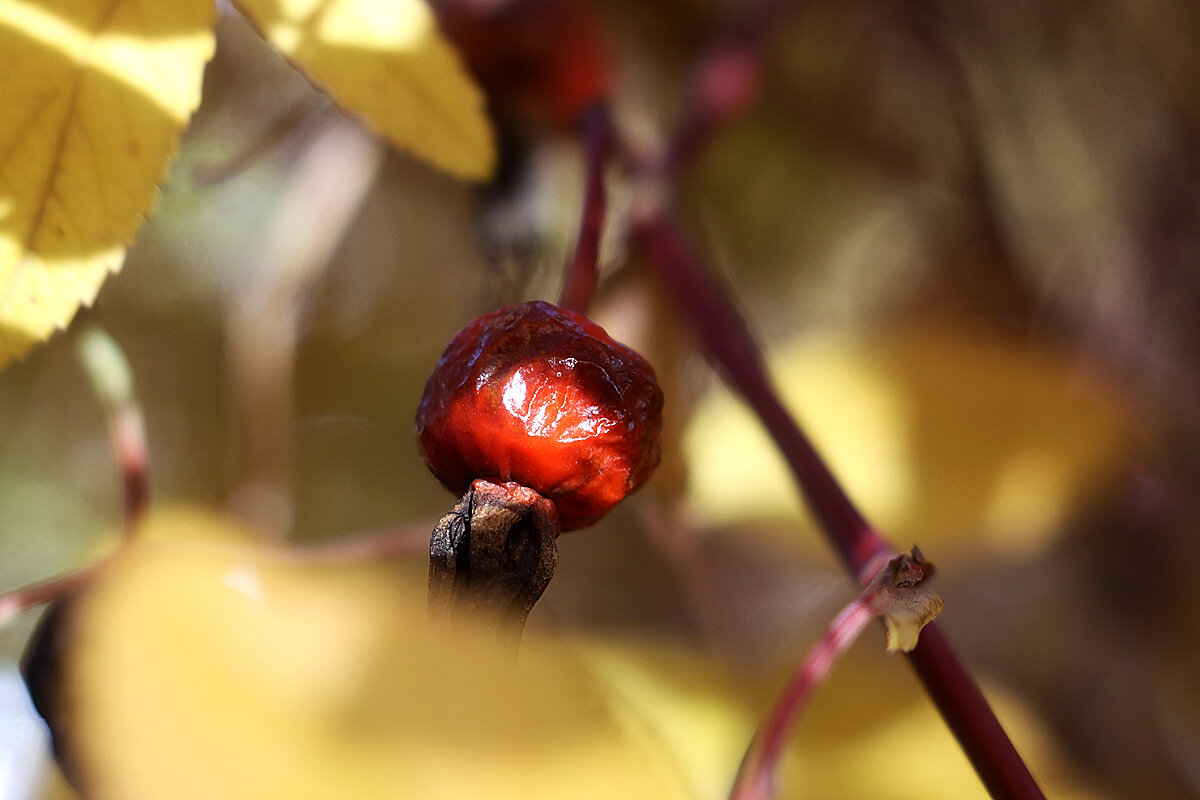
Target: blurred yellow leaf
935,431
870,731
205,664
682,702
387,60
212,666
94,95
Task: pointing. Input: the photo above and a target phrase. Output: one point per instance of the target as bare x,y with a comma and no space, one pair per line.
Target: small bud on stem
906,607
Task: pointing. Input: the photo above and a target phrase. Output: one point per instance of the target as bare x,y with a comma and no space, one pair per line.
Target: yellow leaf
205,665
94,95
870,731
685,704
387,60
936,432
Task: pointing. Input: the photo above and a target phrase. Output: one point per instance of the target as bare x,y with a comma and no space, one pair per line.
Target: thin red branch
583,275
893,593
127,437
111,379
726,80
759,771
47,591
109,375
412,540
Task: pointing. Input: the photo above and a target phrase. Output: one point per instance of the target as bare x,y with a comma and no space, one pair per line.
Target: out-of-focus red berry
538,60
542,396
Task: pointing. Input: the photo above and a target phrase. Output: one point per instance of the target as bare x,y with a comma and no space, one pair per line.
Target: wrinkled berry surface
542,396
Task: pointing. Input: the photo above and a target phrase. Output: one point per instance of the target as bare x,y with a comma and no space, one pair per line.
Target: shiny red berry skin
542,396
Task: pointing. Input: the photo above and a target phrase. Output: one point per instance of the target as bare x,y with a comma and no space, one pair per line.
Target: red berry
541,61
542,396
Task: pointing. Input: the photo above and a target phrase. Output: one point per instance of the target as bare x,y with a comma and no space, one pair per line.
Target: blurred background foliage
967,235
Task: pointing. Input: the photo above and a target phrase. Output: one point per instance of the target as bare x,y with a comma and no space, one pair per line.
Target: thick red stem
725,338
971,719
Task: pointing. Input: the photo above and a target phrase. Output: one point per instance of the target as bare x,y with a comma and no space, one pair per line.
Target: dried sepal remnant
493,555
899,596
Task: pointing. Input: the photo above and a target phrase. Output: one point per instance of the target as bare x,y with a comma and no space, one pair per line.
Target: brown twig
338,168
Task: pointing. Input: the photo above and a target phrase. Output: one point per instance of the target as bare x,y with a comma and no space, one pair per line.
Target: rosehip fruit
541,396
540,61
